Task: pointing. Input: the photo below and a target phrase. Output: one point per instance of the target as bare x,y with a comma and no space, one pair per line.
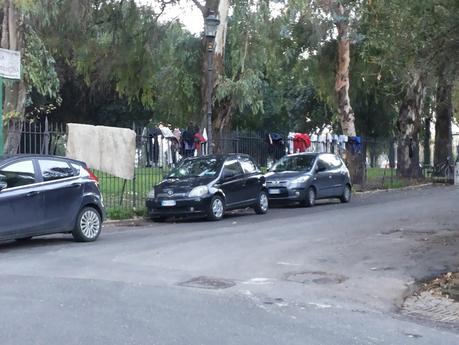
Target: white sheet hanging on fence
108,149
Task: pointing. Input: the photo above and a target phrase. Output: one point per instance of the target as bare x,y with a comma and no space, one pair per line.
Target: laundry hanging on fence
276,148
301,142
354,144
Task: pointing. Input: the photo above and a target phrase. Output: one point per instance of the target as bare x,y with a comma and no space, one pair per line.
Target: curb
395,189
133,222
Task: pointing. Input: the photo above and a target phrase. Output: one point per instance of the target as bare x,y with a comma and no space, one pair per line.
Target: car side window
18,174
248,165
323,165
333,161
55,170
232,168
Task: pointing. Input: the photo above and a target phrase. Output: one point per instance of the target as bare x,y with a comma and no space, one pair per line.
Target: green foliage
39,66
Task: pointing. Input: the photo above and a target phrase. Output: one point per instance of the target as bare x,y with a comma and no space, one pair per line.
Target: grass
123,198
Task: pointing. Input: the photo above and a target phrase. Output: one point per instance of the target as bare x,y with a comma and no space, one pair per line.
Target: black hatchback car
208,186
306,177
42,195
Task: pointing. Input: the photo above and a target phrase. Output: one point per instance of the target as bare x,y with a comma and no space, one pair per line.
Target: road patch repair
315,277
437,300
210,283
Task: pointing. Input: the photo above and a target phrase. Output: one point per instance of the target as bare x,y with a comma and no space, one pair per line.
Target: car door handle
29,194
75,185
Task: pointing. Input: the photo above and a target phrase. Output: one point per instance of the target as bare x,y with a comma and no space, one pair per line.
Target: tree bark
444,111
221,8
409,124
354,159
15,91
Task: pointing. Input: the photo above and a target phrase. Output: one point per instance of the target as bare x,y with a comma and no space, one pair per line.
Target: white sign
10,64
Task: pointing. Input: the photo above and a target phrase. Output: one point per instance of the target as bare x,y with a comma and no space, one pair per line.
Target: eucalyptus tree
413,42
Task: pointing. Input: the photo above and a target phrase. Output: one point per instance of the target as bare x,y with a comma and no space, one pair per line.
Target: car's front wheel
262,203
216,208
88,225
346,197
310,199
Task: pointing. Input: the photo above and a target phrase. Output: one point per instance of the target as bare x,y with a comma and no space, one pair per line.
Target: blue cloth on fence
355,144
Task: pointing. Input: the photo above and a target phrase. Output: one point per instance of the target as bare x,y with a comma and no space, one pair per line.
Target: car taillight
91,175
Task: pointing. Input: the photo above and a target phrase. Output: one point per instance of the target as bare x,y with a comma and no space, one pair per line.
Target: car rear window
18,174
55,170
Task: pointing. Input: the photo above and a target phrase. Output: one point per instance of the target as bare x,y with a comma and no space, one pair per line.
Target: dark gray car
306,177
44,195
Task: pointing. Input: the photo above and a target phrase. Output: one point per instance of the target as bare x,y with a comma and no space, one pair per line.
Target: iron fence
156,155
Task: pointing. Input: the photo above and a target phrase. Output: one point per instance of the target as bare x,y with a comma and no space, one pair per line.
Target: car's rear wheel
262,203
347,193
88,225
216,208
310,199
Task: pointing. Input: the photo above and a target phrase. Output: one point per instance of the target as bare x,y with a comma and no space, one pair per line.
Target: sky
187,13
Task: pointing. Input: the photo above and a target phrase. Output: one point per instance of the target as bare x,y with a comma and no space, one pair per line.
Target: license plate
168,203
274,191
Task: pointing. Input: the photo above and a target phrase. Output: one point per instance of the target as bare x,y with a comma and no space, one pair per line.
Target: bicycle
444,169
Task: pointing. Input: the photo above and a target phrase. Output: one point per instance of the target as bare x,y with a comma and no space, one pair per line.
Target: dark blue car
42,195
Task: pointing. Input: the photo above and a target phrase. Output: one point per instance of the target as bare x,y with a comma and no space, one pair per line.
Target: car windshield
203,167
294,163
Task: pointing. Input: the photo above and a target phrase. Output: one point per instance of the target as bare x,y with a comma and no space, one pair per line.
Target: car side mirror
320,168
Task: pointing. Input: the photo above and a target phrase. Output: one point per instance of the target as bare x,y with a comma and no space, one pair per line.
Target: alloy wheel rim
217,208
90,224
347,193
312,196
263,202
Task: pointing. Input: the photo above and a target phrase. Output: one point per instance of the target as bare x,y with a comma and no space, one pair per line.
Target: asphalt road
333,274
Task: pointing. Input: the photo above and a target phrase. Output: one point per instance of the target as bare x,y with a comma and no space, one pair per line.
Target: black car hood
285,175
184,183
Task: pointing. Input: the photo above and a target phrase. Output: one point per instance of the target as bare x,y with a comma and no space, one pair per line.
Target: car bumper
285,194
183,207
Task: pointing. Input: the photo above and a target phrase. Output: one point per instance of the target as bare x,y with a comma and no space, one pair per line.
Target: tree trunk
409,124
355,160
221,8
444,109
15,91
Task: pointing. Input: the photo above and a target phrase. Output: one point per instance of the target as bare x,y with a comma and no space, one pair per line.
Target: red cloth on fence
198,140
301,142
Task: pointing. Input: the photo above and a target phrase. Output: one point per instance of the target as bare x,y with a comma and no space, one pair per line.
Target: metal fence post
45,145
134,179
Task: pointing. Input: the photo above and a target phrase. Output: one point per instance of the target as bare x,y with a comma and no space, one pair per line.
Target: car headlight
198,192
299,180
151,194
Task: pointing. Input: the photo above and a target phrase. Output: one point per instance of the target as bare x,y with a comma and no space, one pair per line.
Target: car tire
310,199
88,225
159,219
216,208
262,205
347,193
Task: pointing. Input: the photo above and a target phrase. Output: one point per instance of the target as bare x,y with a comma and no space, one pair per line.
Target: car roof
7,158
